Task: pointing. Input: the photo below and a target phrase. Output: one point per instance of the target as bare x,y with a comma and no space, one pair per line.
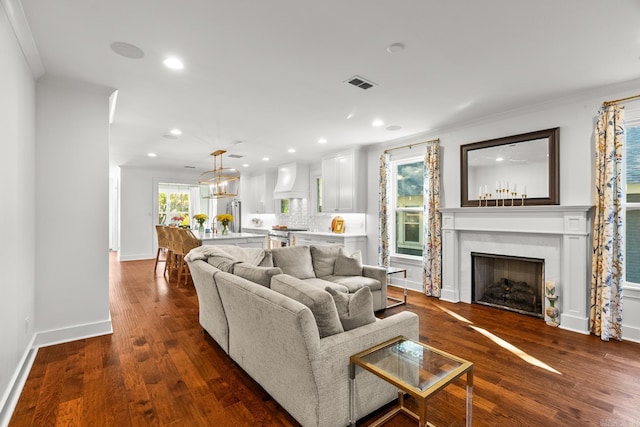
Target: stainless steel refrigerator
234,207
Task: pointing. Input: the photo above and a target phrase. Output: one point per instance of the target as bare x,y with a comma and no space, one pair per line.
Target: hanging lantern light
222,182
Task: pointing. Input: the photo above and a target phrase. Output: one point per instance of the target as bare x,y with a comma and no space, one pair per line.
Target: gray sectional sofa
269,325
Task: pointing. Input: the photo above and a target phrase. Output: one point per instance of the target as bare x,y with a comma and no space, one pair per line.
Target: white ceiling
272,73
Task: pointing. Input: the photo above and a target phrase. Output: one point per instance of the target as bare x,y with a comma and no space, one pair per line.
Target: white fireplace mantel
558,234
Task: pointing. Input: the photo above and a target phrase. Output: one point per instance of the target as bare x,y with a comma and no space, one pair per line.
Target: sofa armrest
331,368
211,313
378,273
356,340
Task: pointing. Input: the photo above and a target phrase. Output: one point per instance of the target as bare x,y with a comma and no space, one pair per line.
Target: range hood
293,181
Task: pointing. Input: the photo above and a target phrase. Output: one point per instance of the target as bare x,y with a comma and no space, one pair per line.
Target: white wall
139,205
72,192
17,214
576,119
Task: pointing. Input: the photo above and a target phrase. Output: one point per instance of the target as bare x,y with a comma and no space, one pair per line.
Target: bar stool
188,242
163,245
175,246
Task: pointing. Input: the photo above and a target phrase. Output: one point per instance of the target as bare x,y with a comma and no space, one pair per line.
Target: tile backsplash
299,217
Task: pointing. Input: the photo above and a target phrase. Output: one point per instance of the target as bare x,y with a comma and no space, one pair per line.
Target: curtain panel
383,210
432,222
607,265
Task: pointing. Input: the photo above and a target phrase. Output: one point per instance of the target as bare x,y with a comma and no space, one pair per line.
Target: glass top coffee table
414,368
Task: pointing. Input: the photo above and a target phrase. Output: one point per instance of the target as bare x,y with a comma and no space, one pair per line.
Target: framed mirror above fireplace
515,170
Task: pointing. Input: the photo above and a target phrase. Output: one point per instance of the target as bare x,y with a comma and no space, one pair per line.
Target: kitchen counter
329,234
247,240
256,229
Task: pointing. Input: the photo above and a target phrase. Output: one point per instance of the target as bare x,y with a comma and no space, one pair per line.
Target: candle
515,188
524,189
480,191
497,186
506,187
485,190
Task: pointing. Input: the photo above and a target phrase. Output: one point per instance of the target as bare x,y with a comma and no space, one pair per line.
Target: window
173,201
632,199
407,204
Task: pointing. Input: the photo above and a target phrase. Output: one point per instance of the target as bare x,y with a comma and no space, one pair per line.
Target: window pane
633,164
633,246
632,225
410,183
409,233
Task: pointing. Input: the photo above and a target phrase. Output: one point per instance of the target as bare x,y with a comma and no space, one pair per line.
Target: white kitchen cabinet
259,196
343,183
350,242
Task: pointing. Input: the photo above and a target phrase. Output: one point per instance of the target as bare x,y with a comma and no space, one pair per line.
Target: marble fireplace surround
560,235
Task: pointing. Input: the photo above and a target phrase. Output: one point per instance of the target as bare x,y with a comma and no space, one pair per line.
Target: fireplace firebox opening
508,282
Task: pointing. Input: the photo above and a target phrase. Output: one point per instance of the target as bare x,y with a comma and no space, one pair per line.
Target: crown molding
18,21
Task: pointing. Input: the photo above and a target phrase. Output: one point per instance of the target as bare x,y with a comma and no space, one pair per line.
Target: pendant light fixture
222,182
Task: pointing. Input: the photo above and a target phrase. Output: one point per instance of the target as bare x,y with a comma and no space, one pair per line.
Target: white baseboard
19,378
135,257
631,333
574,323
449,295
73,333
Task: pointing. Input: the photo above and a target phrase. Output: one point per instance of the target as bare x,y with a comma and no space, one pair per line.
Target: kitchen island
245,240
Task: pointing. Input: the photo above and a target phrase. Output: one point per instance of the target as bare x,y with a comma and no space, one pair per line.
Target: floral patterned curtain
432,222
607,264
383,211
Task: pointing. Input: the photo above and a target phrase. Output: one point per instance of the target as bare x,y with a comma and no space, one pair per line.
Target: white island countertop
238,239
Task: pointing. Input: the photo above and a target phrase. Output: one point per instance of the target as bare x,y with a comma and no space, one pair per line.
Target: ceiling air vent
235,156
361,82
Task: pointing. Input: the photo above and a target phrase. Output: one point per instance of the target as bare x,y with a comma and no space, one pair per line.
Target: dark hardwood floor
159,368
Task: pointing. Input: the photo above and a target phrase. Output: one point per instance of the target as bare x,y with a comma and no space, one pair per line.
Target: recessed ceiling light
175,131
291,150
246,165
395,48
266,159
499,159
377,123
322,141
169,136
151,154
173,63
189,167
394,127
127,50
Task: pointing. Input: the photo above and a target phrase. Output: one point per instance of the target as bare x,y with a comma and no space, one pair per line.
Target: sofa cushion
324,259
348,265
222,263
354,310
267,261
294,261
257,274
319,302
321,284
353,283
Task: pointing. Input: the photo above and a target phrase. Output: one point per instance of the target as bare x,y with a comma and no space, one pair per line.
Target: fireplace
559,235
508,282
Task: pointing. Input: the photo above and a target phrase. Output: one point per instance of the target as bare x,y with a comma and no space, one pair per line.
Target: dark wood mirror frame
553,136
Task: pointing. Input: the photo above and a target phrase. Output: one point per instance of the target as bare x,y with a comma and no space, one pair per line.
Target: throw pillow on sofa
354,310
348,265
324,259
256,274
294,261
319,302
